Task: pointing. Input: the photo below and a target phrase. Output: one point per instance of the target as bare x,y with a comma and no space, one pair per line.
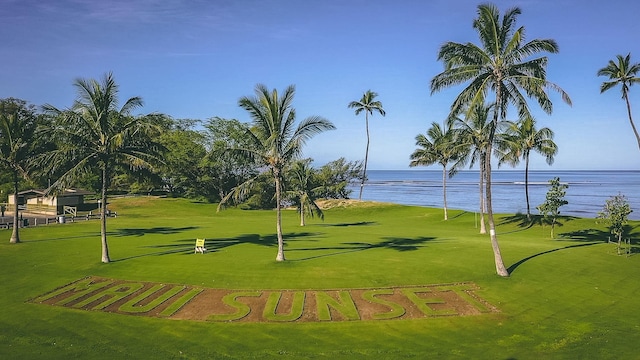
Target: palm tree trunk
633,126
280,255
366,156
15,234
301,214
444,190
103,218
483,228
500,268
526,184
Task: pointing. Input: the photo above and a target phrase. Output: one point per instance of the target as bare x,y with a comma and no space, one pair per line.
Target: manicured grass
572,297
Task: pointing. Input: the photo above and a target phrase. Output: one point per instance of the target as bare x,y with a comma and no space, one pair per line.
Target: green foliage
334,177
19,144
369,105
616,213
624,73
550,208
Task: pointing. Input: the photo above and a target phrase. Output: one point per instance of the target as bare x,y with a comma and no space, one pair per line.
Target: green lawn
569,298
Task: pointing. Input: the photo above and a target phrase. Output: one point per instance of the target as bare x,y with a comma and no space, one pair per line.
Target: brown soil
206,304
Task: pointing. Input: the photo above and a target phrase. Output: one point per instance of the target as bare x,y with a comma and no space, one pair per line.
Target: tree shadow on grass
513,267
187,246
164,230
524,222
392,243
359,223
589,237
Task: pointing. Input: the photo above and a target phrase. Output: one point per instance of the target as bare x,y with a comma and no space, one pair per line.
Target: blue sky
195,59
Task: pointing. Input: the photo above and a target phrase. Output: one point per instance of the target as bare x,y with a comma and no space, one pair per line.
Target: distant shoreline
587,193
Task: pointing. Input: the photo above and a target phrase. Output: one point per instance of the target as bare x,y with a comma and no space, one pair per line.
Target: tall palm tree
368,105
303,189
95,134
503,65
622,73
275,141
473,137
519,140
437,146
18,124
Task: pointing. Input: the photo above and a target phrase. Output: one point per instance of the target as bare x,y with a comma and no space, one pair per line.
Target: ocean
587,192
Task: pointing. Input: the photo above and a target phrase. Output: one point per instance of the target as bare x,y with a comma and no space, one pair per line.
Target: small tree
616,213
550,208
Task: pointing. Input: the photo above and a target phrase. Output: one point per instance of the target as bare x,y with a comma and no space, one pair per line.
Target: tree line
97,144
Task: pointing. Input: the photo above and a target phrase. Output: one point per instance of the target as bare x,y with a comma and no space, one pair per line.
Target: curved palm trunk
15,234
366,156
526,184
633,126
483,228
280,255
302,213
103,218
500,268
444,190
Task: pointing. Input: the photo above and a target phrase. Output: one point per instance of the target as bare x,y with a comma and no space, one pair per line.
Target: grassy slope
569,298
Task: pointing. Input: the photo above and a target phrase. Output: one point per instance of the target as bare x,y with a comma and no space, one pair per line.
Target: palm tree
623,73
274,141
502,64
473,138
18,124
368,105
95,134
519,139
437,146
303,189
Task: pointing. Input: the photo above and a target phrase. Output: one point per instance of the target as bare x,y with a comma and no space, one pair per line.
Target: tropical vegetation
554,199
503,64
275,142
438,146
369,105
18,146
624,73
96,134
519,140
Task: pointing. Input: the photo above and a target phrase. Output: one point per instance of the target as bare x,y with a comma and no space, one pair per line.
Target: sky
193,59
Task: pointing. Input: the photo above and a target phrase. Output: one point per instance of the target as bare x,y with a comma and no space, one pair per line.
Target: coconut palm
303,189
95,134
473,139
622,73
519,140
503,65
437,146
368,105
274,141
18,124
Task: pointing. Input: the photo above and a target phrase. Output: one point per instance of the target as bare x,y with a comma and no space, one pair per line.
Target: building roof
66,192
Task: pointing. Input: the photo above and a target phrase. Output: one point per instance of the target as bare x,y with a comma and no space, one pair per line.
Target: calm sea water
587,192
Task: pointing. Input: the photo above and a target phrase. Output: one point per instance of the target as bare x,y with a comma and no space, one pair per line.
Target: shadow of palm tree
521,220
360,223
393,243
186,246
586,235
164,230
524,222
513,267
